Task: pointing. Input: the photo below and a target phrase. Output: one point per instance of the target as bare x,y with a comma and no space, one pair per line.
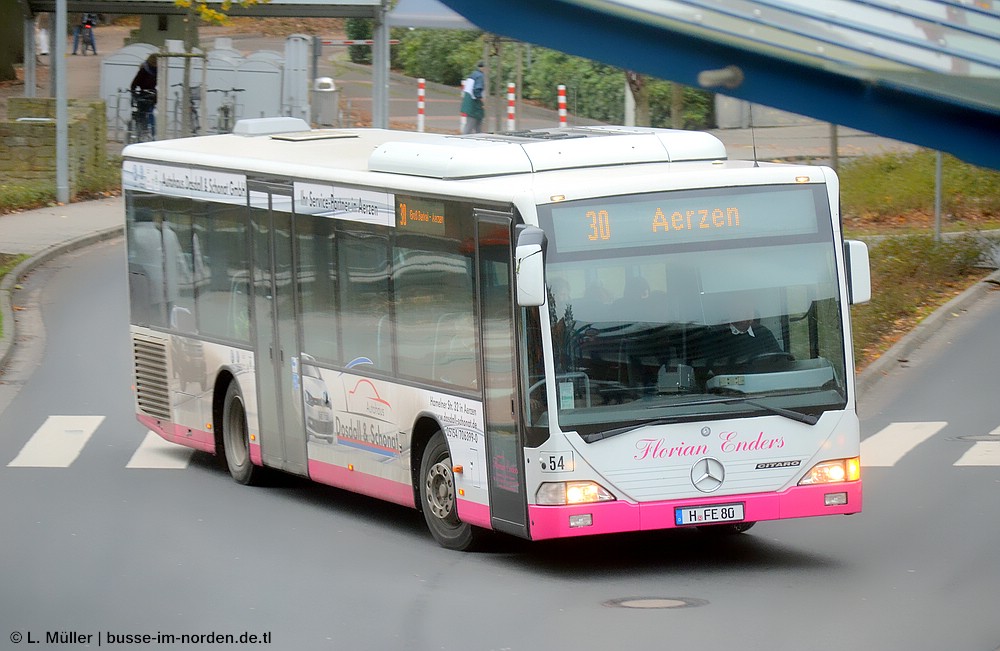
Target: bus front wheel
236,441
437,497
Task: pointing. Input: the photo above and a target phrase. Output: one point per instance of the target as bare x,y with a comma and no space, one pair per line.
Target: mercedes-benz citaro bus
548,333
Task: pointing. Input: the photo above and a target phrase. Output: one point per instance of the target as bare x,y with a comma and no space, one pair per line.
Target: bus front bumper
621,516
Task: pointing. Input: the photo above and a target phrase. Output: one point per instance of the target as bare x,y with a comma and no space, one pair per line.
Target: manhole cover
655,602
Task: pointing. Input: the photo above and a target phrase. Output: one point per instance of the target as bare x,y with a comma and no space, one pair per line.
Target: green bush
445,56
101,179
593,90
359,28
7,264
891,184
699,106
363,28
911,276
27,195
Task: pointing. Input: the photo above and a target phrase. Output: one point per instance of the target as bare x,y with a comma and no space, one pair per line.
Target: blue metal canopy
921,71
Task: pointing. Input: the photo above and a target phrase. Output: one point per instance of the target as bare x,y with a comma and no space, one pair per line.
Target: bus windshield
692,305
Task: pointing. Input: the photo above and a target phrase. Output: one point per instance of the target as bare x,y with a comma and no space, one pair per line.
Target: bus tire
236,440
437,497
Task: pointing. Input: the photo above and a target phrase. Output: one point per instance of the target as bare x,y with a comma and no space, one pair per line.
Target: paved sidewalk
44,234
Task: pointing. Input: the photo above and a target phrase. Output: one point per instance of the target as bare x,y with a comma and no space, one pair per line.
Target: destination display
683,217
420,215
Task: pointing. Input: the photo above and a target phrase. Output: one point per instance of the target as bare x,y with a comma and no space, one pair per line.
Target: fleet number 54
557,462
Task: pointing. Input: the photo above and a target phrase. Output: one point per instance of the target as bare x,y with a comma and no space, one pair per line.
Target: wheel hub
440,490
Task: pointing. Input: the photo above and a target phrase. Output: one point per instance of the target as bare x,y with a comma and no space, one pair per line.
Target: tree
11,38
201,10
639,86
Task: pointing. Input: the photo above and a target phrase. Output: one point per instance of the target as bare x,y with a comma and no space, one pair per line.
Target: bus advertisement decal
352,204
207,185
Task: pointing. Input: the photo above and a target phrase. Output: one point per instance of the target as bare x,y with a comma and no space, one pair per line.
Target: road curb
902,349
7,285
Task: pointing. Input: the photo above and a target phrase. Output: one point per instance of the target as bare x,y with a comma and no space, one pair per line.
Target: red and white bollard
511,118
421,96
562,105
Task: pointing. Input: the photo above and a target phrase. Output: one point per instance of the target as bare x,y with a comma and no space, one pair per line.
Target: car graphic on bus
316,401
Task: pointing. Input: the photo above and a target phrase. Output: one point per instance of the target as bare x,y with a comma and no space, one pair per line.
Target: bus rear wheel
236,440
437,498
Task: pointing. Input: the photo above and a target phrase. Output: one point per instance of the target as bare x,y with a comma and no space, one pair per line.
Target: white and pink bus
549,333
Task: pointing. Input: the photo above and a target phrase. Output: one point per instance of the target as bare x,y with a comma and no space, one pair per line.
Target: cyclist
143,89
85,30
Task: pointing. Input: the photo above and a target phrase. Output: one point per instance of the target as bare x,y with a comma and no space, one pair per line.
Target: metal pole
317,49
496,87
629,104
62,114
937,198
561,90
421,95
380,68
30,58
520,84
487,81
834,147
511,113
162,94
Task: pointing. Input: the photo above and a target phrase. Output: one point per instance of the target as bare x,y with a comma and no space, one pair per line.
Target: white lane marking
57,443
155,452
888,446
983,453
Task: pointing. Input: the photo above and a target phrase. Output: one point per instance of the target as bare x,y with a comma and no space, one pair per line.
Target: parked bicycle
226,117
142,123
194,97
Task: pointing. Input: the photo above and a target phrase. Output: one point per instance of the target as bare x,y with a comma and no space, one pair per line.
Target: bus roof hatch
538,150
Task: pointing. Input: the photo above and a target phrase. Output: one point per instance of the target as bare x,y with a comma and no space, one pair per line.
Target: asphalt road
131,538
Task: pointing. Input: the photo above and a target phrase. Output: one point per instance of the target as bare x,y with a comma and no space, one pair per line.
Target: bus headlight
571,492
829,472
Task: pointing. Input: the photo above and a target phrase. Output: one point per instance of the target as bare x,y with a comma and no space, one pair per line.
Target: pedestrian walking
472,100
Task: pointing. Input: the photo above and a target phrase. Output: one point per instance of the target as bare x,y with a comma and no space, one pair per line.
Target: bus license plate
708,514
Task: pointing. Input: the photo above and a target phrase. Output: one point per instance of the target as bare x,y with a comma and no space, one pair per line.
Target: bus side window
454,359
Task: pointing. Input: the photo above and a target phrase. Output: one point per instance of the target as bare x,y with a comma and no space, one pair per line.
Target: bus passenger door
279,397
504,447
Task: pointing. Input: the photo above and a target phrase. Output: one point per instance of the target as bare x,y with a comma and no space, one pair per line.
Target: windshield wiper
808,419
798,416
606,434
593,437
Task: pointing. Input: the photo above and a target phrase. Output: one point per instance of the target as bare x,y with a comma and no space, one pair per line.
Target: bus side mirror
859,275
529,266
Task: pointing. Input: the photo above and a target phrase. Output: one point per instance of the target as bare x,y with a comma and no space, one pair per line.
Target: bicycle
194,95
227,109
87,35
142,123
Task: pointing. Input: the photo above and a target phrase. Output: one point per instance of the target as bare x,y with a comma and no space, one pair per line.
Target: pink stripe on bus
617,517
192,438
359,482
475,513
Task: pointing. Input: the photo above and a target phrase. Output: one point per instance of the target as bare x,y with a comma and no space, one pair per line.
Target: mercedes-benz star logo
708,474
